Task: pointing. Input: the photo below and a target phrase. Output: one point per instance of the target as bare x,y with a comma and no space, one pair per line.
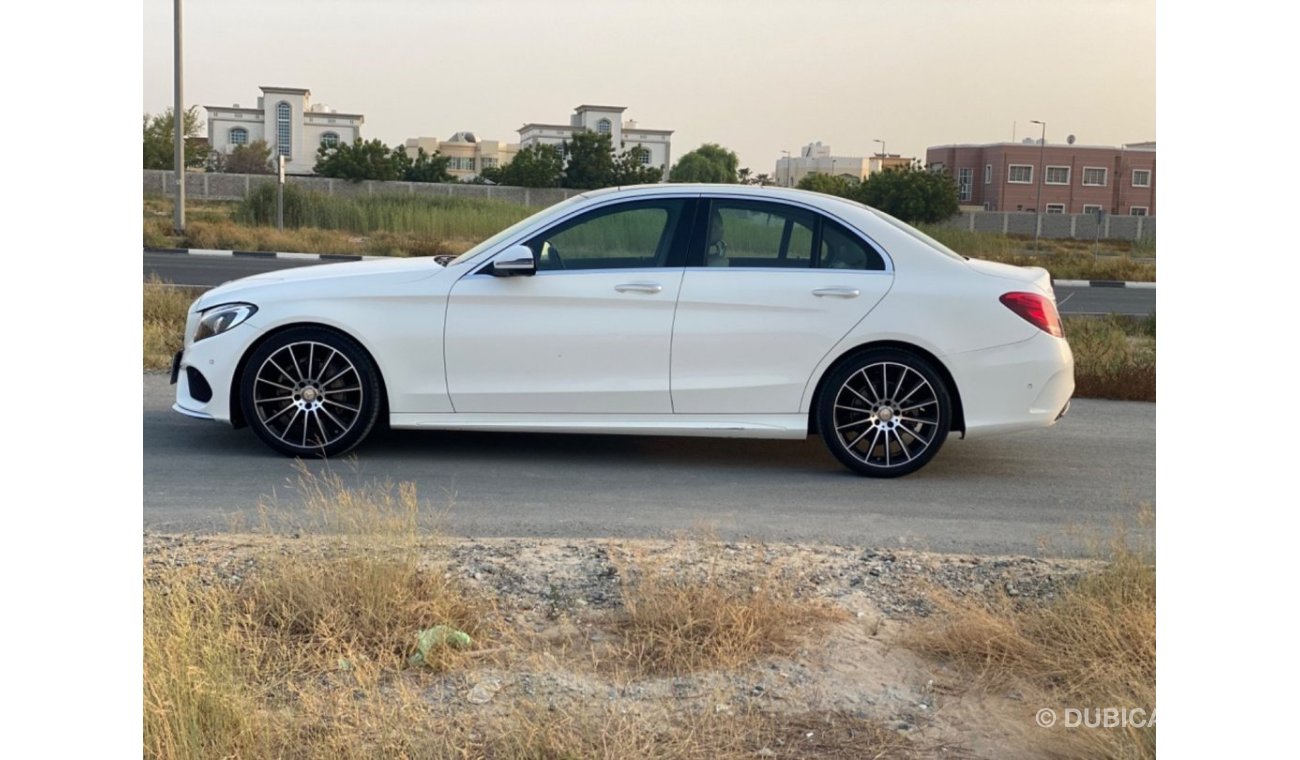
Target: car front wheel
884,413
310,392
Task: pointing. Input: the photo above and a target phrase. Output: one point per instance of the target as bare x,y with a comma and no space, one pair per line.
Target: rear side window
741,233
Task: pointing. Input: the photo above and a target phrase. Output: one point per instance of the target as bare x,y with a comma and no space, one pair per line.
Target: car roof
758,192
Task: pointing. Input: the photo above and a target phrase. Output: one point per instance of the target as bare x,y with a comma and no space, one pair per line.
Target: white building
286,119
816,158
605,120
467,155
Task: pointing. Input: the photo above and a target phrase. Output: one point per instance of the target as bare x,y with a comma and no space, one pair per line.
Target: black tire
877,407
310,392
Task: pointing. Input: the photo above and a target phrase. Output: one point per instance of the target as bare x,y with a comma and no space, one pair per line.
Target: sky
756,77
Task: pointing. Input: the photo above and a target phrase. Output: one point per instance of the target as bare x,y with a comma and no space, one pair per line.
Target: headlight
218,319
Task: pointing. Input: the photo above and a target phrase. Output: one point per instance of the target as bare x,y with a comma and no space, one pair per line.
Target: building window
965,177
1057,175
239,136
1091,208
283,129
489,162
1094,176
1020,174
1137,211
988,174
1141,178
988,206
329,140
645,156
604,127
1056,208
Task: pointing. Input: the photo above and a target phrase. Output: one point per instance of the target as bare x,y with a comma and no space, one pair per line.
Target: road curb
1103,284
266,254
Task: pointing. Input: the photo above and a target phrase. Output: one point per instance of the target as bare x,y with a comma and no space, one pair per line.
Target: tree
425,167
361,160
591,160
253,158
160,143
911,193
744,175
630,169
763,179
533,166
708,163
829,184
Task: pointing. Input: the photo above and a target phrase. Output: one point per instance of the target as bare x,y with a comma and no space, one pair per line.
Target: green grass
1114,356
428,216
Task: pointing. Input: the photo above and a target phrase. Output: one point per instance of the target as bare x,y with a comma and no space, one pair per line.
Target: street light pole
1042,176
178,117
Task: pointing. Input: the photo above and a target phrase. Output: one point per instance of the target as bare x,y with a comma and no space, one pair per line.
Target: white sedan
703,310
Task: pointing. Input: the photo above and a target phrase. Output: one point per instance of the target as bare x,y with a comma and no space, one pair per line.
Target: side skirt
780,426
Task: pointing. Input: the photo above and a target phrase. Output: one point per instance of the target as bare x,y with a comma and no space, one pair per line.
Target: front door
590,332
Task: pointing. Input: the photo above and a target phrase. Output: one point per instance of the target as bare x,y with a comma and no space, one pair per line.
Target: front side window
1057,175
1094,176
239,136
1020,174
626,236
284,129
743,233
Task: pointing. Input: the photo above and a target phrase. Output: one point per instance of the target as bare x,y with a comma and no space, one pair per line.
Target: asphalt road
1000,495
210,271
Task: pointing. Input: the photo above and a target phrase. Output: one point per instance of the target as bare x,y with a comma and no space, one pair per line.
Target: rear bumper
1022,386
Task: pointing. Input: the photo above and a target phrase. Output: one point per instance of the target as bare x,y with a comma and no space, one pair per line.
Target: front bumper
203,373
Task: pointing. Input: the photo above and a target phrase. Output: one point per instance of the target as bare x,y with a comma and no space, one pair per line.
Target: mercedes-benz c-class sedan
694,310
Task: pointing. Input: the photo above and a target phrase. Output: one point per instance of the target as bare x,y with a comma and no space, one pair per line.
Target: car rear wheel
884,413
310,392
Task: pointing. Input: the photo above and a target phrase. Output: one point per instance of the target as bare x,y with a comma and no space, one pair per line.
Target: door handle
837,292
639,287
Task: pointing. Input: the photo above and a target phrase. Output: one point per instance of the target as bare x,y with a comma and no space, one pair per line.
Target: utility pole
279,195
178,116
1042,175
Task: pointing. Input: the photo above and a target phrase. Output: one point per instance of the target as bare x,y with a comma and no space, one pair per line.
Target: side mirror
515,260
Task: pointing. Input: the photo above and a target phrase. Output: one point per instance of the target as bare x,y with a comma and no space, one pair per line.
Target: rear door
769,289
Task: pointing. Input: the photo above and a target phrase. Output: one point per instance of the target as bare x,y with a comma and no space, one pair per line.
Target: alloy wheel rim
886,415
308,394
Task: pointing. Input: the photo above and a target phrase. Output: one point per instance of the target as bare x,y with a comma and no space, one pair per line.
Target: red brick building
1074,179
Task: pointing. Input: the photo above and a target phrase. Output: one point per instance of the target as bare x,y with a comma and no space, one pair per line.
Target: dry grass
679,622
1066,259
1114,357
1092,647
300,650
165,307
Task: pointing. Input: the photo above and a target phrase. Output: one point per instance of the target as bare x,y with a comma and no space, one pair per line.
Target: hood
399,268
1033,276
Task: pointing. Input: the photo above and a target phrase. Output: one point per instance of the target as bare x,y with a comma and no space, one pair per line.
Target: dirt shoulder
560,600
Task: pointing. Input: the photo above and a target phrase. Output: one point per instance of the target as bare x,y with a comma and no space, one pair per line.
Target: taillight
1035,309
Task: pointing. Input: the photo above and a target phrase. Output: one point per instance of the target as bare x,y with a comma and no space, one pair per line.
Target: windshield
508,232
914,232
